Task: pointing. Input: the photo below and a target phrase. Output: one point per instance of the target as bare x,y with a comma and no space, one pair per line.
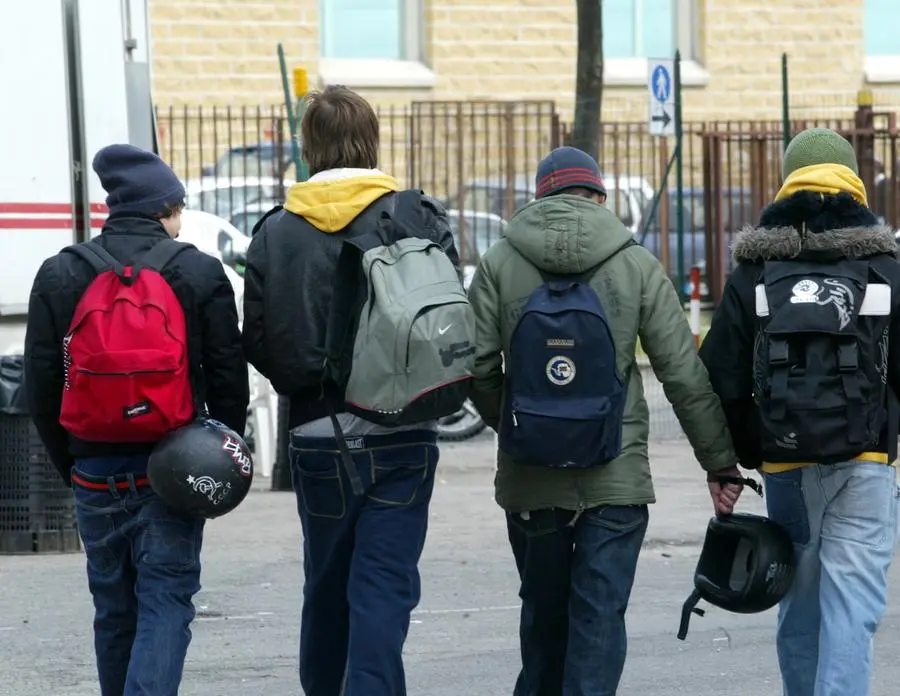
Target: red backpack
126,351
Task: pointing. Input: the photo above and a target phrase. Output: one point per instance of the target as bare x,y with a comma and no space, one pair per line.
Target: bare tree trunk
589,78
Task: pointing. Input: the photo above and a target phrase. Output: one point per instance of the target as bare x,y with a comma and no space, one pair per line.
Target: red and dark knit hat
567,167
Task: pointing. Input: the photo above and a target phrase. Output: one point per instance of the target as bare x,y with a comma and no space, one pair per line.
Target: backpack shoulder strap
393,216
161,254
100,259
259,223
409,198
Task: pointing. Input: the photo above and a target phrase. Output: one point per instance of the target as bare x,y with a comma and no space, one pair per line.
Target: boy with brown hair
364,524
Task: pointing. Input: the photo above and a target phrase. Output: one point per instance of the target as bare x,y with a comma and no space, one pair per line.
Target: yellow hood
824,178
330,204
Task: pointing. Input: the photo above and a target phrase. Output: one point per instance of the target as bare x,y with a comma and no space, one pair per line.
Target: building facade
398,51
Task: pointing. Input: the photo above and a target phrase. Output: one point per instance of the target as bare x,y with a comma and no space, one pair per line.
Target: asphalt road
463,639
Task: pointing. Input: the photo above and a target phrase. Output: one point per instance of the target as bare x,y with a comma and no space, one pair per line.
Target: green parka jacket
569,235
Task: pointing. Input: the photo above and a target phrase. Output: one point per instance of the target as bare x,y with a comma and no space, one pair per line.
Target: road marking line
472,610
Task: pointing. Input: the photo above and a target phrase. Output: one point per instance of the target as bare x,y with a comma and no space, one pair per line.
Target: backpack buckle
848,357
778,351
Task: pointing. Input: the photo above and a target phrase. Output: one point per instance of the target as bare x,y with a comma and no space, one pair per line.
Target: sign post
664,120
661,91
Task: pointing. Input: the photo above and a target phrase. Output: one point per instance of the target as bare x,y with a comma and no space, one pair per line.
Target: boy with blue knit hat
143,559
804,353
559,304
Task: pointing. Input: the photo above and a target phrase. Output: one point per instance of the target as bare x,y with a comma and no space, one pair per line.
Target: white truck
74,76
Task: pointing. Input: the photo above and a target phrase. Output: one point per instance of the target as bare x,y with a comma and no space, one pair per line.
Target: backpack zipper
515,420
123,374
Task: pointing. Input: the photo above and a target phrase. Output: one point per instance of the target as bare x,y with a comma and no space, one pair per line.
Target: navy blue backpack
565,399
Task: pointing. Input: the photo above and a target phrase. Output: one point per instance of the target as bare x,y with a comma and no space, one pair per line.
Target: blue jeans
143,567
576,572
360,558
843,521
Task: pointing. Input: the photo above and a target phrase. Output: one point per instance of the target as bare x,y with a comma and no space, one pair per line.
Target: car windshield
737,211
693,213
480,233
493,199
258,161
222,201
245,220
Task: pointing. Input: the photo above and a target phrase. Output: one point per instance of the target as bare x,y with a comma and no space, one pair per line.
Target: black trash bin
37,508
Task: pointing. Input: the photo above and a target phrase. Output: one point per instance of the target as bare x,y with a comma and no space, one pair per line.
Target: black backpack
820,359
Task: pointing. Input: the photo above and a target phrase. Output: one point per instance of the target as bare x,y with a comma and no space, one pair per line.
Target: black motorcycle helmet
746,566
202,470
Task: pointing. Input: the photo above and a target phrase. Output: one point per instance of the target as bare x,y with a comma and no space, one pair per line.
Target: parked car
246,217
626,196
258,159
736,211
481,230
223,196
217,237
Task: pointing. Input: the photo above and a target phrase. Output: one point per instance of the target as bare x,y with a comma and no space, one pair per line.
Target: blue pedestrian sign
661,93
661,83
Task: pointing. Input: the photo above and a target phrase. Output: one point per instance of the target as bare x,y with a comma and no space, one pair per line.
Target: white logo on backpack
836,293
560,370
805,292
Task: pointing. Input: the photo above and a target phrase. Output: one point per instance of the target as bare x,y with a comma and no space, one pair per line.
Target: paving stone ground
463,638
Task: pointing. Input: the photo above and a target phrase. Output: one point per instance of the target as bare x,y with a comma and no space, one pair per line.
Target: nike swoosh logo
441,332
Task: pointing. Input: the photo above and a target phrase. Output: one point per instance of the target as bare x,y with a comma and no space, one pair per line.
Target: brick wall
224,52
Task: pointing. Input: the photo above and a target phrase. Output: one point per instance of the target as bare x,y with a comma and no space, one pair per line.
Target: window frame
879,68
409,71
633,71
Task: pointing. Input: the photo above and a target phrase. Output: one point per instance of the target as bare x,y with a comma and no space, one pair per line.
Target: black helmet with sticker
746,566
203,469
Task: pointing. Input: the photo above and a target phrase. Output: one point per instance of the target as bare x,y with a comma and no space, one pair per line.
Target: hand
724,495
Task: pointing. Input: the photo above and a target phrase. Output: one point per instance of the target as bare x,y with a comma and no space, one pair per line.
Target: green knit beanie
818,146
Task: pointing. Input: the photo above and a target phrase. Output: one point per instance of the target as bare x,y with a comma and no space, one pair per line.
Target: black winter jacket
217,363
287,297
832,227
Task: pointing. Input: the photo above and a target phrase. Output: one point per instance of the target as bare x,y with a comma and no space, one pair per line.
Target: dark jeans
143,566
577,571
360,558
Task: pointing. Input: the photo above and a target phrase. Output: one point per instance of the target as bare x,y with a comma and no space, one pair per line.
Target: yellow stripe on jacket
873,457
824,178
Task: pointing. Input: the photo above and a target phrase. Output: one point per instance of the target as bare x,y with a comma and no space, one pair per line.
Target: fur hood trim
753,245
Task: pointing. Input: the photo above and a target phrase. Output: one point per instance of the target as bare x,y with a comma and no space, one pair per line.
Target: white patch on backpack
805,292
835,293
560,370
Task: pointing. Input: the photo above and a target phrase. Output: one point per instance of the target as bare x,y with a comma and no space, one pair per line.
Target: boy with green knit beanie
804,354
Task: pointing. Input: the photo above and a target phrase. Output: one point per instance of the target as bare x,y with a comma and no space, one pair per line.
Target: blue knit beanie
136,181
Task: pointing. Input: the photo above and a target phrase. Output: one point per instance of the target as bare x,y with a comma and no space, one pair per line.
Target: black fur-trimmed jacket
217,364
804,226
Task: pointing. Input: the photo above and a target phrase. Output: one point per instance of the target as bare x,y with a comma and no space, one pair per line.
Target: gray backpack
400,341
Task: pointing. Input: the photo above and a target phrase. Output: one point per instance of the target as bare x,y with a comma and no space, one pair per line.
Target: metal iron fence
479,158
